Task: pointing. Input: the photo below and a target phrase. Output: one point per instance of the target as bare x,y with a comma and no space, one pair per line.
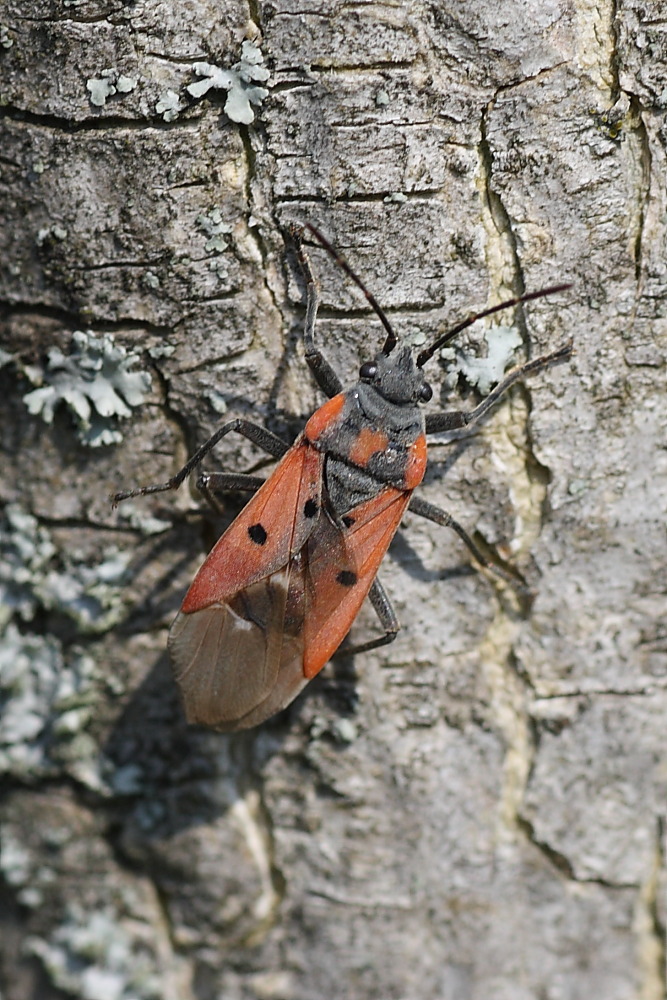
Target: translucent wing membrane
235,663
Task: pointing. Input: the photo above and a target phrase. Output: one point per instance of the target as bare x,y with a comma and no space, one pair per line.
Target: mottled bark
475,811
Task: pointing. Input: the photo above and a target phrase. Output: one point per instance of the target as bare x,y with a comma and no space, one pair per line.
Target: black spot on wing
310,508
257,533
348,521
346,578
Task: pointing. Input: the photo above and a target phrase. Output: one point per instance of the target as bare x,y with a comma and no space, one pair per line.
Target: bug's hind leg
322,371
445,520
388,620
254,432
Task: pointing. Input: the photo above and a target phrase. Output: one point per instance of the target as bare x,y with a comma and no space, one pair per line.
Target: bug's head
396,377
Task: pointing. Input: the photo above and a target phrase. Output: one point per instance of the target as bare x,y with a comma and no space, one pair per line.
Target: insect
280,590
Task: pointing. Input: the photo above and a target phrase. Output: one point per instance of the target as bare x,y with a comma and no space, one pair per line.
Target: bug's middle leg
211,483
388,620
445,520
259,435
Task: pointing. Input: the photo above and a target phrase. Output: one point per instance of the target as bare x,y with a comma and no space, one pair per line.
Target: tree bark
477,810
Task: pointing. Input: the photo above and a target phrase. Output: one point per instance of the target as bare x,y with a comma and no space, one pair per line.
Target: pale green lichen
29,670
145,523
47,699
49,692
99,89
19,870
217,401
108,83
126,84
101,956
54,232
94,381
169,105
240,82
479,371
150,281
26,551
89,594
213,225
127,780
34,576
159,351
14,858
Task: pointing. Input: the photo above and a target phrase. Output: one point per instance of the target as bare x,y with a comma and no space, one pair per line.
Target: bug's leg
254,432
459,418
211,483
385,612
445,520
322,371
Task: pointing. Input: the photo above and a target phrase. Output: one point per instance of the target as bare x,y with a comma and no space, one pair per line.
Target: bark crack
102,124
504,263
644,187
650,928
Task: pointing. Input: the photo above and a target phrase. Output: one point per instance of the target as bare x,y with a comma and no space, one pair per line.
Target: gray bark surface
475,812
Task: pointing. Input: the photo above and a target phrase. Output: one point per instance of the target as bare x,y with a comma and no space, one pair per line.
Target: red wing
237,643
342,564
270,529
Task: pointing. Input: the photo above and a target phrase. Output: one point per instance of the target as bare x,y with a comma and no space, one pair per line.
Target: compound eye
368,370
425,392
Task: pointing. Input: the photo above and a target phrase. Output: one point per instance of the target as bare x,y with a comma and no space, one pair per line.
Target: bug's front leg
388,620
445,520
323,373
254,432
457,419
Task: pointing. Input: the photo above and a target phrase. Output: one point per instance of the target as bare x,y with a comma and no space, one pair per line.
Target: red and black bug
280,590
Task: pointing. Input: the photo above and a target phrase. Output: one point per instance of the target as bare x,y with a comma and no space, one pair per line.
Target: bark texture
476,811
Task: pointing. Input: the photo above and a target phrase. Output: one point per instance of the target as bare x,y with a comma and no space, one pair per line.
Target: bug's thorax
373,433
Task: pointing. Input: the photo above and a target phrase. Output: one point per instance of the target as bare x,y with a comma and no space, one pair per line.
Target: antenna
392,340
428,352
